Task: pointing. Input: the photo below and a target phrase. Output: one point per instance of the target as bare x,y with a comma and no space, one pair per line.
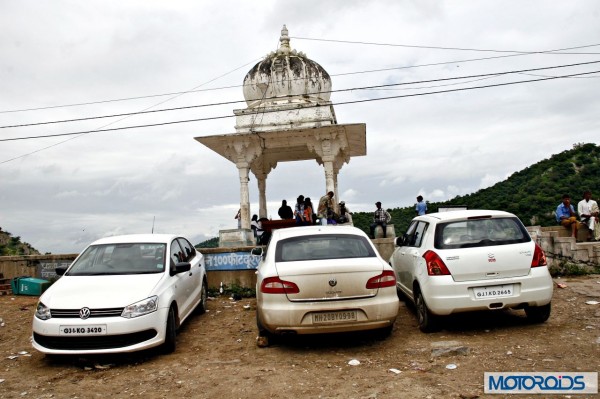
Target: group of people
325,214
588,212
305,214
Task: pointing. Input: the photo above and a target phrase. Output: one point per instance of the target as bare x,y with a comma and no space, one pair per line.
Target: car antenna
153,219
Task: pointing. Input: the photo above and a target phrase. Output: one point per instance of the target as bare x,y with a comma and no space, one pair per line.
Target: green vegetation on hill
11,246
532,193
211,243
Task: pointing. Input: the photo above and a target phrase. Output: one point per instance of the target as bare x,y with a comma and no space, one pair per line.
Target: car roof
463,214
132,238
280,234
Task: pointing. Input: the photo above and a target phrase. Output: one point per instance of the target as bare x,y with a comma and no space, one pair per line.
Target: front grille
96,342
74,313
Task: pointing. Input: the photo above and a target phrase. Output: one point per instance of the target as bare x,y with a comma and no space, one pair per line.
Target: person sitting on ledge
565,215
588,216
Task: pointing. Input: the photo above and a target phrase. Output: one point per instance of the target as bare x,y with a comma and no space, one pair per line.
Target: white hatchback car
320,279
122,294
459,261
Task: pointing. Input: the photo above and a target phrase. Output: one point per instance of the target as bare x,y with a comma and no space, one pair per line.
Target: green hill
532,193
10,246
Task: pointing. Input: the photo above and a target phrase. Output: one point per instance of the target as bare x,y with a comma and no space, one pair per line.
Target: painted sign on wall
45,270
231,261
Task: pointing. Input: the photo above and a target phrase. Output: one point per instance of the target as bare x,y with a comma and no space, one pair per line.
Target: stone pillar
329,175
262,196
244,195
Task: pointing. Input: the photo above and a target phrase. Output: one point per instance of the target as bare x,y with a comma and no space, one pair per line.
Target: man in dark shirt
285,212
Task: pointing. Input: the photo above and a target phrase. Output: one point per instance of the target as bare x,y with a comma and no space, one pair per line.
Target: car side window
414,234
176,254
419,233
188,249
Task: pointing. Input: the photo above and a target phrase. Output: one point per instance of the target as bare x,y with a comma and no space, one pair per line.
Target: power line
314,106
449,48
112,123
515,54
523,71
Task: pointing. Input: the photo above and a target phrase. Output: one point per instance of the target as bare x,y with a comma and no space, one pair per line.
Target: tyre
264,338
170,332
384,332
201,308
538,314
427,321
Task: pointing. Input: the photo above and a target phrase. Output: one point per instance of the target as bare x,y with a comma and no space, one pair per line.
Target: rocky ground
217,356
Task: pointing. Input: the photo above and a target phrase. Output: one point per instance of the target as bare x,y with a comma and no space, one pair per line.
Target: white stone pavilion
289,118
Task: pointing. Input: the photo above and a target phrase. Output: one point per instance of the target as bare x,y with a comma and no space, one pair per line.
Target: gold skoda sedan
323,279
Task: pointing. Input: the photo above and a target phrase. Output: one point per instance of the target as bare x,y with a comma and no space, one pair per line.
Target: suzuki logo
332,282
84,313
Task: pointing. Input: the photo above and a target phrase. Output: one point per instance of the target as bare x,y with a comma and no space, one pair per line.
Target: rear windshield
480,233
108,259
326,246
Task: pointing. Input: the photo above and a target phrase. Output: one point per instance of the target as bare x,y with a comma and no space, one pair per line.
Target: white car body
459,261
83,311
329,290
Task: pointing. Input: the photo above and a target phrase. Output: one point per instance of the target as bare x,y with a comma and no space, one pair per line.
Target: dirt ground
217,356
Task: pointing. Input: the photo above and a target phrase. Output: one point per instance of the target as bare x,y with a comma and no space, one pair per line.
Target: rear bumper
277,315
444,296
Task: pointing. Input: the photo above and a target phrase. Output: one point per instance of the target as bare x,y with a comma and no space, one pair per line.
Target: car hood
74,292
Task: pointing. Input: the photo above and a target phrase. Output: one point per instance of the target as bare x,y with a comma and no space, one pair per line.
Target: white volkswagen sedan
320,279
122,294
459,261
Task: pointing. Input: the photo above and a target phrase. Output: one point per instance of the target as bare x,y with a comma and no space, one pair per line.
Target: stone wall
231,266
559,245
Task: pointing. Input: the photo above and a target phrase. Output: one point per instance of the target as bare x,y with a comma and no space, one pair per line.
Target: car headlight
42,312
140,308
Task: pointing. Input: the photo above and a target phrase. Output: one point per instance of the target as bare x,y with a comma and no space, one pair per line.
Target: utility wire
449,48
119,120
515,54
377,87
313,106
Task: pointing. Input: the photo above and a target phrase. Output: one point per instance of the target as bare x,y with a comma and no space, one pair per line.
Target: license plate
99,329
495,291
334,317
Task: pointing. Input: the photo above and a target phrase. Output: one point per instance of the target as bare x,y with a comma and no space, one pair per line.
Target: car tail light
275,285
435,264
539,257
385,279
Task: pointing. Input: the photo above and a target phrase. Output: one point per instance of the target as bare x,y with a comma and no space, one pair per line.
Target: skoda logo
84,313
332,282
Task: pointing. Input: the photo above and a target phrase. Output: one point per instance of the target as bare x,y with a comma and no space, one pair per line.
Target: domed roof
286,76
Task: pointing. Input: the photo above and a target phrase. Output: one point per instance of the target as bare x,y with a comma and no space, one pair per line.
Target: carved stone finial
284,40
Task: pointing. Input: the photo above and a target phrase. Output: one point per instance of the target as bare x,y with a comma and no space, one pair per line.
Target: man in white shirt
588,214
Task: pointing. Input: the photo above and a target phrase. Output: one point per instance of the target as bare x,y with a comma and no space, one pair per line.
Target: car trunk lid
489,262
331,280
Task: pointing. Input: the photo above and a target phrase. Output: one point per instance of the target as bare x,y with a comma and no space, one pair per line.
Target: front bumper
122,335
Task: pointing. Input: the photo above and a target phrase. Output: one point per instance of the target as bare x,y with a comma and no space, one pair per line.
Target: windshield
131,258
480,233
326,246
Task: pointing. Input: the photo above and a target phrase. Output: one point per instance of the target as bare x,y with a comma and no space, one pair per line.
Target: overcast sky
61,193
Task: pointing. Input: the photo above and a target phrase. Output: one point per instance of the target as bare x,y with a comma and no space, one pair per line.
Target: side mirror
60,270
182,267
258,251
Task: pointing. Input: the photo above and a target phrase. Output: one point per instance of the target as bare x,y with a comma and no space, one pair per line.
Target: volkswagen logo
332,282
84,313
